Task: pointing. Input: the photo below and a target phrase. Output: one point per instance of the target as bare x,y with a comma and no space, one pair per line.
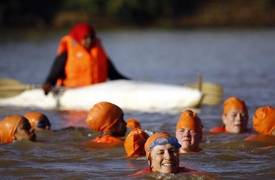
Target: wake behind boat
129,95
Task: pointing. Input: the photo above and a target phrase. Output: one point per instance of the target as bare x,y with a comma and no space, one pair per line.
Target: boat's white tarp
129,95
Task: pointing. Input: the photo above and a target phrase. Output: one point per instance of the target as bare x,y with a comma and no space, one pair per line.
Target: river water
242,61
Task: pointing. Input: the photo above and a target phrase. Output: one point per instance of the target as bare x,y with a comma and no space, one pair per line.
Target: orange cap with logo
234,103
34,118
8,128
264,120
104,116
189,119
133,123
134,143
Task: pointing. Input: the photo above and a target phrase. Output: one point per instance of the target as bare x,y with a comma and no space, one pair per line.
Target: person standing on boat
234,117
81,60
106,118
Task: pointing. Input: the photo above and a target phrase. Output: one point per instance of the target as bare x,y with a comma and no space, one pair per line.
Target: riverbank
38,33
124,14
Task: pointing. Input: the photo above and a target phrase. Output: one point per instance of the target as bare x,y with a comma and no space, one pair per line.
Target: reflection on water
242,61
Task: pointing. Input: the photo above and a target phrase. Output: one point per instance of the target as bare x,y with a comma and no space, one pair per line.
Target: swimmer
107,118
234,117
15,128
189,132
38,121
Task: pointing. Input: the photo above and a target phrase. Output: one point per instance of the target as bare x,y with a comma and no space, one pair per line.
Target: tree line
135,12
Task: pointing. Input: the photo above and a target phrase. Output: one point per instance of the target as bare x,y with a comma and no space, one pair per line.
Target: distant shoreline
26,32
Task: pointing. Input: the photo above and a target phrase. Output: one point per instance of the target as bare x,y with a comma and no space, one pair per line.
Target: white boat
129,95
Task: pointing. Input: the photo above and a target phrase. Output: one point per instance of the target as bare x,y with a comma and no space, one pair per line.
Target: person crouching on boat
15,128
235,117
189,131
81,60
107,118
264,125
38,121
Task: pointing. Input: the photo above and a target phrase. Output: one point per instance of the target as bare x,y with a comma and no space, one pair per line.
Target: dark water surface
242,61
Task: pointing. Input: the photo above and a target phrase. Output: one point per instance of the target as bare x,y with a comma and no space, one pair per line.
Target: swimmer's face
189,139
235,121
164,159
24,132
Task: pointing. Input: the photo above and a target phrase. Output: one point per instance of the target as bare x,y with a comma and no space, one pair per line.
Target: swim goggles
162,141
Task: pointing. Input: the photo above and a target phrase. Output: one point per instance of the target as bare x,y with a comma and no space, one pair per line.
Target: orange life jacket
82,67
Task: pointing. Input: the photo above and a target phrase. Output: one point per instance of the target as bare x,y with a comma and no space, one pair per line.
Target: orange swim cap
8,128
134,143
189,119
37,120
133,123
264,120
233,103
104,116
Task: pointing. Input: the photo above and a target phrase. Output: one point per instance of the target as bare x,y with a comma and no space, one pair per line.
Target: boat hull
129,95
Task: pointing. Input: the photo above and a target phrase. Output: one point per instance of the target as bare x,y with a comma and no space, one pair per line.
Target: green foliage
131,11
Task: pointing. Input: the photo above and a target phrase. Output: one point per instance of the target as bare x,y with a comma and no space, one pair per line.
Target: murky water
242,61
